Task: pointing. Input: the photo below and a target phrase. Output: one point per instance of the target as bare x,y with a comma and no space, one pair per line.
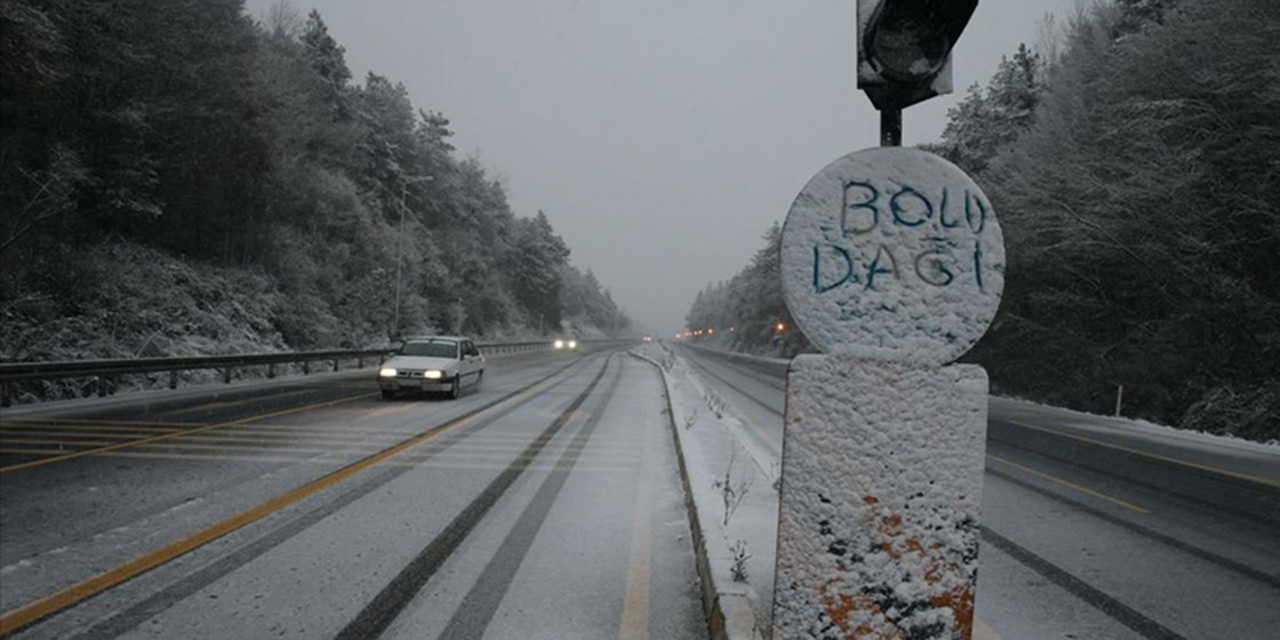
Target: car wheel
388,394
456,389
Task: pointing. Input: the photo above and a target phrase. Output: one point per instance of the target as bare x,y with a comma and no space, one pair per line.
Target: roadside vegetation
1132,159
178,178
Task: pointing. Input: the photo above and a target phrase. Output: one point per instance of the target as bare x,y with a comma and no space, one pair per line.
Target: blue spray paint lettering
968,212
939,275
942,212
898,210
867,204
977,263
875,268
849,275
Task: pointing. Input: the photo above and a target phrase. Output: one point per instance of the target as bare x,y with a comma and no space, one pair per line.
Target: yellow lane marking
167,436
233,444
175,446
31,452
228,435
53,422
1069,484
69,596
274,429
387,410
1271,482
635,608
629,466
104,430
406,461
127,401
320,428
78,443
226,404
982,632
144,455
41,433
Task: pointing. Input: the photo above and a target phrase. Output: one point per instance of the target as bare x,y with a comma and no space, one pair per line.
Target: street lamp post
404,188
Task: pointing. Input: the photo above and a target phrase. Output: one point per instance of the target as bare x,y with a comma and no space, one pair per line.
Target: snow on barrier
893,265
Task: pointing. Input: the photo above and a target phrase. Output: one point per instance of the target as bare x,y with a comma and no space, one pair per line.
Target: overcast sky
661,137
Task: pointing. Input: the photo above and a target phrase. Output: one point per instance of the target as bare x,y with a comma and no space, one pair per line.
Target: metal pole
458,329
891,128
404,188
1119,398
395,324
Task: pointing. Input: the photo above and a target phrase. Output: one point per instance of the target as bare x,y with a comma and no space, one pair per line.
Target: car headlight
387,372
559,344
432,374
573,344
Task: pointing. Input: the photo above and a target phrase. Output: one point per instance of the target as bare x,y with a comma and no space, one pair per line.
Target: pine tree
328,58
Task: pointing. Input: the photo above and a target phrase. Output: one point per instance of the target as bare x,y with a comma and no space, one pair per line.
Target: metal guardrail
15,372
776,367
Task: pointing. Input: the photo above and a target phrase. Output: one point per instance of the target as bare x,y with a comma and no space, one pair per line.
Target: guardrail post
360,362
102,386
226,375
5,399
306,367
173,379
335,365
271,370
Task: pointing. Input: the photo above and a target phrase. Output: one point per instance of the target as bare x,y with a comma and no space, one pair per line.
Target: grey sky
661,137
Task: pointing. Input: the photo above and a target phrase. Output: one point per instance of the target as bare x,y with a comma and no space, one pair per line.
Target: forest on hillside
179,177
1133,157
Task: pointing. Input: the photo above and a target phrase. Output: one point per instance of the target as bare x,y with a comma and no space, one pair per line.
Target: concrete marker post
893,265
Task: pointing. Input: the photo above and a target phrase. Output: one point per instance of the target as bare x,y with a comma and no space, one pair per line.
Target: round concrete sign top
893,254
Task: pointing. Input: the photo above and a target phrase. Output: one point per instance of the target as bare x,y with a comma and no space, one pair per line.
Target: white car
562,344
436,364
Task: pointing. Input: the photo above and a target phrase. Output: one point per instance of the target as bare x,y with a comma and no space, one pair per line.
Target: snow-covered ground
1191,519
735,492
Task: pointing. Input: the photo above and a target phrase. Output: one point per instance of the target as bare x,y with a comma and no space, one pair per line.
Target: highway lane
250,439
1094,530
335,540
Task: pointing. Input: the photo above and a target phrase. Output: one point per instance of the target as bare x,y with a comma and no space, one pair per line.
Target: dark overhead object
904,48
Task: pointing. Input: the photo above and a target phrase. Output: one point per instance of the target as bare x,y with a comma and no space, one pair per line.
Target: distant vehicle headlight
573,344
387,372
559,344
433,374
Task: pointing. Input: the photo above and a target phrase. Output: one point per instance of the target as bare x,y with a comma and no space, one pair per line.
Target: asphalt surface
545,504
1095,528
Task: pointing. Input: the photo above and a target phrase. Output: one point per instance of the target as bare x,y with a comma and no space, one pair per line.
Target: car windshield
431,349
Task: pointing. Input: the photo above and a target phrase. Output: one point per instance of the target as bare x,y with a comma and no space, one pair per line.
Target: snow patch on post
882,484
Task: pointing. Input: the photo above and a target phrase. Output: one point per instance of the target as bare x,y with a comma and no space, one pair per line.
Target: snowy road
1093,531
548,504
545,505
